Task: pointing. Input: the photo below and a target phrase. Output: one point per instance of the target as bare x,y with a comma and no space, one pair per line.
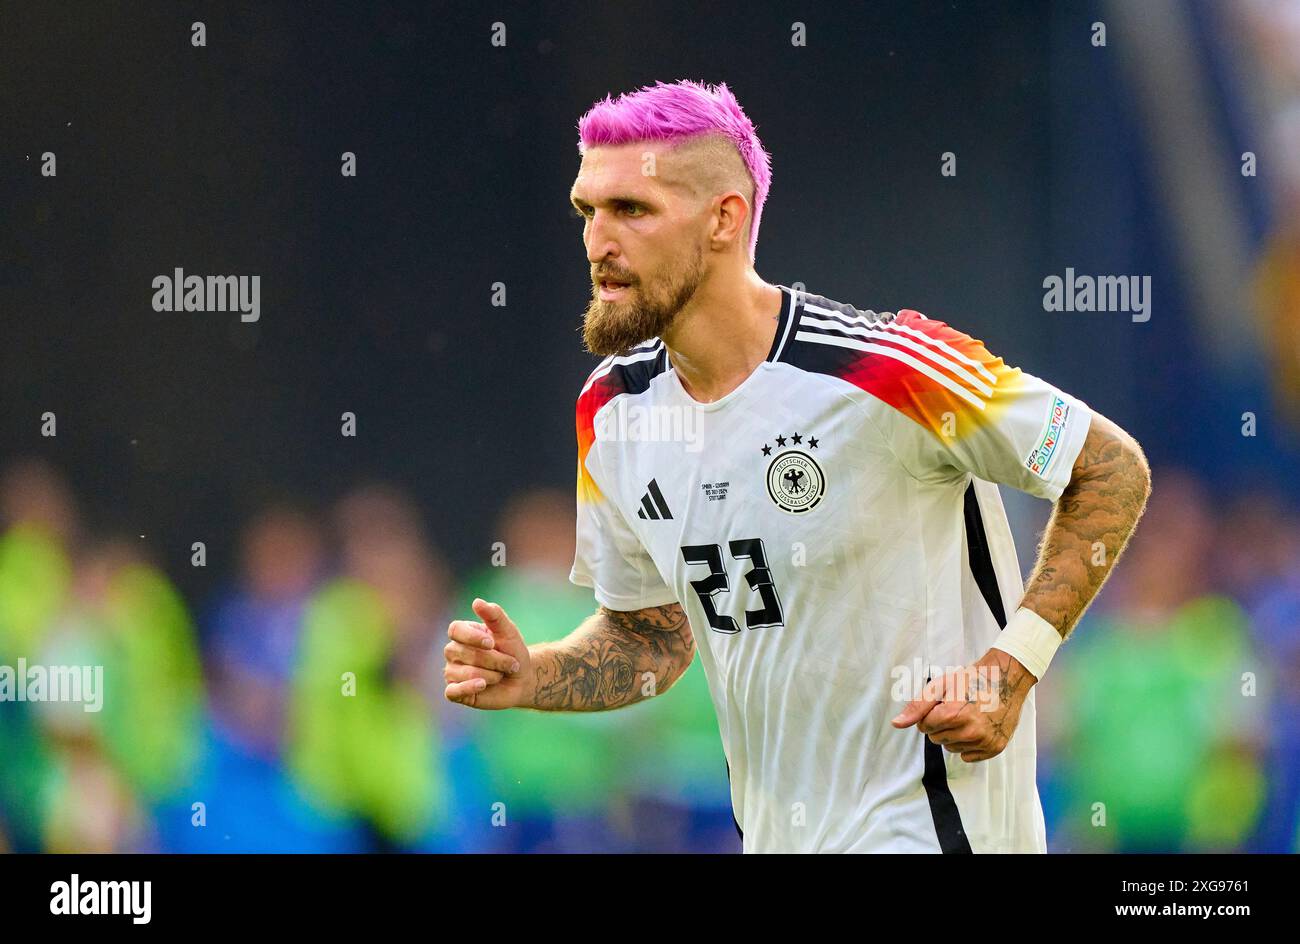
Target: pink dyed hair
684,109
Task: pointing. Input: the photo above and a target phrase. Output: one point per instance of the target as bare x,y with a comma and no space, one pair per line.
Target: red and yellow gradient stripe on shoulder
599,390
939,377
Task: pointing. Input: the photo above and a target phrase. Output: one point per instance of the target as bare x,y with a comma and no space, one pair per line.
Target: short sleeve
610,558
959,409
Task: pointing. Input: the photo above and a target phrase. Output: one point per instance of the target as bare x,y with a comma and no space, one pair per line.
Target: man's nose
600,238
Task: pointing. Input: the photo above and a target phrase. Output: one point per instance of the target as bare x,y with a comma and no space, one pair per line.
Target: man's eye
631,209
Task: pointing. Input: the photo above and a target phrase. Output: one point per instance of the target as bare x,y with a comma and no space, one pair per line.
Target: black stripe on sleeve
981,560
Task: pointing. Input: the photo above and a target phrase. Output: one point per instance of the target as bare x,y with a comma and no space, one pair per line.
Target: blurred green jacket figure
153,682
359,743
34,576
1161,728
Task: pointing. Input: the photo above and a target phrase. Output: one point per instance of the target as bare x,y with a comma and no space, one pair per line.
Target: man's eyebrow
640,201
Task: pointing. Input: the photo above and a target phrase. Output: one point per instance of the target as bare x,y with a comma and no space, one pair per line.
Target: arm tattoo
603,663
1090,526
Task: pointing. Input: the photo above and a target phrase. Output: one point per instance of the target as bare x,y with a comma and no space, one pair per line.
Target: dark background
376,289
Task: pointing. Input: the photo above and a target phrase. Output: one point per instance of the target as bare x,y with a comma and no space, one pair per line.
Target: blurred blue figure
250,804
1259,544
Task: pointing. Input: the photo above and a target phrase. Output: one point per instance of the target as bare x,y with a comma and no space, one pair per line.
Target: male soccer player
804,491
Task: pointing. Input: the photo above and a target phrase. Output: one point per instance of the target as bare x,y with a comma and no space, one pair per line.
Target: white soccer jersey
831,529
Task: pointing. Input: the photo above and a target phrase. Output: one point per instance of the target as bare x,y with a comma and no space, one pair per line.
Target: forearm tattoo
1090,526
614,659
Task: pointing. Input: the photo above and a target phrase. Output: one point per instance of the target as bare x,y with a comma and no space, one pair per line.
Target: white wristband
1031,639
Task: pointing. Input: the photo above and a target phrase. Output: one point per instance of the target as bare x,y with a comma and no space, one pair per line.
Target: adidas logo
653,506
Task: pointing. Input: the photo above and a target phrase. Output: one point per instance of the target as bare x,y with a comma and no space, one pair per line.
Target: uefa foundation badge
795,482
1038,460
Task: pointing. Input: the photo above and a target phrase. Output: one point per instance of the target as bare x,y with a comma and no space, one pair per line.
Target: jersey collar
793,304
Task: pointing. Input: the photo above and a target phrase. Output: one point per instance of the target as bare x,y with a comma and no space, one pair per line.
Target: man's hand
972,712
487,662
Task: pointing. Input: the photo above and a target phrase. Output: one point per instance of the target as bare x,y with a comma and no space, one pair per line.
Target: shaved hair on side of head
708,166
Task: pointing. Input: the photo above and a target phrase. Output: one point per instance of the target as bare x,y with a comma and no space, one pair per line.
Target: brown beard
615,327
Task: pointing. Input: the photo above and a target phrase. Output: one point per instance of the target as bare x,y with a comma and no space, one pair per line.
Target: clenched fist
487,662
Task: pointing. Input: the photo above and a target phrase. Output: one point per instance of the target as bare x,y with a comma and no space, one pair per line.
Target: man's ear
732,212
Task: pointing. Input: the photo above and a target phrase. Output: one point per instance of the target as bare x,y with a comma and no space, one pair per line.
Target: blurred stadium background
328,554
